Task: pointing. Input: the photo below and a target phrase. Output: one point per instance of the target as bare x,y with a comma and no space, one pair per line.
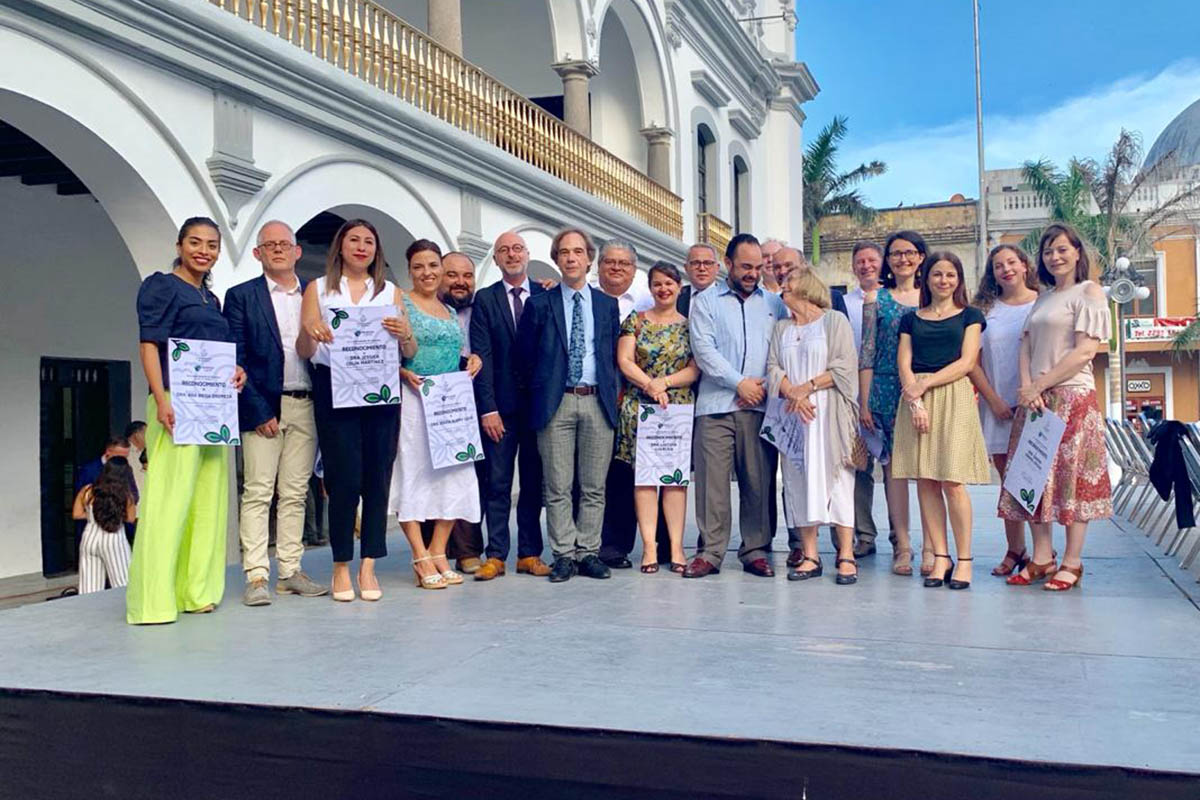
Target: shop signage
1154,329
1137,386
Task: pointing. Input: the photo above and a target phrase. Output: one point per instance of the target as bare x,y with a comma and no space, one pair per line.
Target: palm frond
1187,338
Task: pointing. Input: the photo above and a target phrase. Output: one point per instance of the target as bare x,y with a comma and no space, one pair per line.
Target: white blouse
342,299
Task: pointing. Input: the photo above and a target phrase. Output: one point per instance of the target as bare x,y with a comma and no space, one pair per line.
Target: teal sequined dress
439,341
420,492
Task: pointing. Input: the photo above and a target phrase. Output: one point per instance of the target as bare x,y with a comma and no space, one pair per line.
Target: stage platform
637,686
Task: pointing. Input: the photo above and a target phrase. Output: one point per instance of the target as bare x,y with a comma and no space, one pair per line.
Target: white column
658,154
445,24
577,110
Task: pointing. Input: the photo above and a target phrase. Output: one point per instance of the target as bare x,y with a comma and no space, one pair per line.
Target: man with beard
730,326
457,290
508,438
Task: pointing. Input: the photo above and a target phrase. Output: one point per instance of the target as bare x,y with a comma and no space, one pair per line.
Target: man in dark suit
508,439
703,266
568,336
275,411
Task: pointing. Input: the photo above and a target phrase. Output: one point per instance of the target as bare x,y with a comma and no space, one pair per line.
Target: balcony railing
713,230
370,43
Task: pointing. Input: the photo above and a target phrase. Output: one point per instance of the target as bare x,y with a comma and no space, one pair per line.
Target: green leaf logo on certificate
364,359
664,445
451,424
201,377
1029,468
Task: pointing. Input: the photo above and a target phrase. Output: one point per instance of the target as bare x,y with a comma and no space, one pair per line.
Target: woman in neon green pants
179,550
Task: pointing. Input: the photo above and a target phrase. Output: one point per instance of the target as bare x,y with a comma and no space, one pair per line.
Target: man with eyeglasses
770,281
620,279
275,411
508,438
703,265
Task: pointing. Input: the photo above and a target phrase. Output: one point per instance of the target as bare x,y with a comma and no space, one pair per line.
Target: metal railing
370,43
713,230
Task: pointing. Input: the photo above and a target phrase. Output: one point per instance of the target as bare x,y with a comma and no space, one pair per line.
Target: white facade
179,108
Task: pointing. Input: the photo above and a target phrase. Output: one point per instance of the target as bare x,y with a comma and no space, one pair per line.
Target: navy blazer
543,338
494,340
255,331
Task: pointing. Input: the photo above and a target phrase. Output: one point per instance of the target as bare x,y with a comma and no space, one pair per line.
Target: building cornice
728,52
208,46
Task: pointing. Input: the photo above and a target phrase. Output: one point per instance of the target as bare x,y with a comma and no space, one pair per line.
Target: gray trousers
864,498
725,444
577,442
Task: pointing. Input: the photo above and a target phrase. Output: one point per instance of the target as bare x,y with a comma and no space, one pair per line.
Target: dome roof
1182,136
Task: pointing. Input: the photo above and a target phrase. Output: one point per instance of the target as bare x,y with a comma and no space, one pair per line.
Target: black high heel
933,583
955,583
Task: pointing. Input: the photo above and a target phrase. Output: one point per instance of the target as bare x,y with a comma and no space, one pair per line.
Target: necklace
199,289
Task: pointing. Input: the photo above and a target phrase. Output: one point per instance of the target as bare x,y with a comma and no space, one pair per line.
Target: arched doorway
74,213
316,236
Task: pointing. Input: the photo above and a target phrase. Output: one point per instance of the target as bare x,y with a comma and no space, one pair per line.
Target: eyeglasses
612,262
515,249
904,254
704,264
280,245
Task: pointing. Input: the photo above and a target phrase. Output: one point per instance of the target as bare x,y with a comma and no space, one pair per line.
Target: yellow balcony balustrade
713,230
372,44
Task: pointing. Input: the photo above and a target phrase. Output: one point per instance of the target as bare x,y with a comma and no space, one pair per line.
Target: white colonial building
658,121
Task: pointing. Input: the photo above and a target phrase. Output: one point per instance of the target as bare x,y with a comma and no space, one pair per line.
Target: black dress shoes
563,570
593,567
616,562
760,567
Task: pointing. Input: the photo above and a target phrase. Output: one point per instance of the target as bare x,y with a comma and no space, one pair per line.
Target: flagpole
982,245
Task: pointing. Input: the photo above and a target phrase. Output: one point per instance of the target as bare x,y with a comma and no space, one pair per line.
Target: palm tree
828,191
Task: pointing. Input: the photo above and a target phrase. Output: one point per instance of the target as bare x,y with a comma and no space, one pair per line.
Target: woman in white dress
420,492
813,366
1005,296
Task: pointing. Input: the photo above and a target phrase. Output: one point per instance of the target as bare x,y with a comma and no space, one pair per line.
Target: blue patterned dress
420,492
883,319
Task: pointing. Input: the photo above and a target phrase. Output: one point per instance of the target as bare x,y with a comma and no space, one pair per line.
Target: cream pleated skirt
953,449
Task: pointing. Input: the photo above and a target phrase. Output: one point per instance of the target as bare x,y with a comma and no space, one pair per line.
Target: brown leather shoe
468,565
533,565
795,557
698,568
760,567
492,568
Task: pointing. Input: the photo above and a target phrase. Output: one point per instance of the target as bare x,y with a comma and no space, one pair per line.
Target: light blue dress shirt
730,336
589,330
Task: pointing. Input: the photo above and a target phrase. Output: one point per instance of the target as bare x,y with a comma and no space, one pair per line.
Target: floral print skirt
1078,489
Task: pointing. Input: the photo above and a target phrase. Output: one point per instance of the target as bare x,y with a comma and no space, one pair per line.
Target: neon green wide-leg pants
179,550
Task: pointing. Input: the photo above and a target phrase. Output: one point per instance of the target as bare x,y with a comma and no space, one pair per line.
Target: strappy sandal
1015,561
677,567
798,574
846,580
1036,573
927,571
902,563
434,581
649,569
1055,585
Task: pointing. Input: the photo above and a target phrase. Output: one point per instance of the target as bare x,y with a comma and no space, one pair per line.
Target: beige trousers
281,465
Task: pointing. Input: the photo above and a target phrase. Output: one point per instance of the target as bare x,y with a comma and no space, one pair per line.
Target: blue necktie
575,353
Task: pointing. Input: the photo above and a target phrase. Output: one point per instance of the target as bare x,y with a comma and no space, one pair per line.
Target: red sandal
1055,585
1036,573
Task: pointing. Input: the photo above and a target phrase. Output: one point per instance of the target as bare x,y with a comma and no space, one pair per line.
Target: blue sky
1060,78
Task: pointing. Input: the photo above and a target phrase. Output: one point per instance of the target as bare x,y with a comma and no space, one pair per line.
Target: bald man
508,438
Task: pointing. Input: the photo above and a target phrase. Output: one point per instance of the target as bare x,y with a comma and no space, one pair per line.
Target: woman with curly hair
107,504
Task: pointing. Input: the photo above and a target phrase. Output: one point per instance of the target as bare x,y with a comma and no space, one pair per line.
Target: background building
1155,373
654,120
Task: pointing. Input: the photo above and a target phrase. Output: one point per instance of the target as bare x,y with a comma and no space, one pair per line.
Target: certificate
664,445
201,376
451,424
1029,468
785,430
364,359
